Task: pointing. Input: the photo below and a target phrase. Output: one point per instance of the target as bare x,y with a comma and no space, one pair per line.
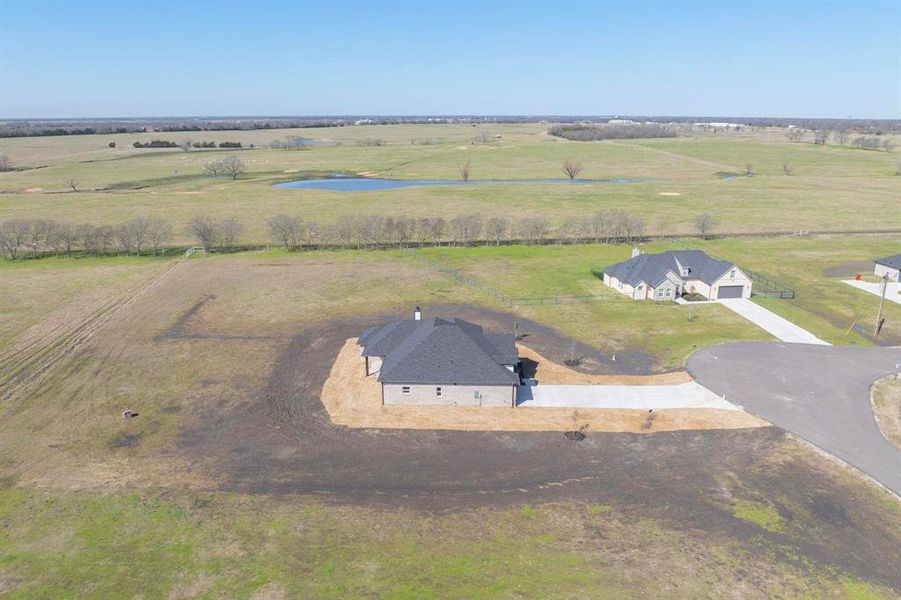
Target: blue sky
134,58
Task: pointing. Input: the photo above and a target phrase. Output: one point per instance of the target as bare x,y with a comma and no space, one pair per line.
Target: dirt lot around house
354,400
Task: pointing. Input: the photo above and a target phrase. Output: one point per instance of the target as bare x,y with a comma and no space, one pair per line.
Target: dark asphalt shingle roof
890,261
438,351
653,268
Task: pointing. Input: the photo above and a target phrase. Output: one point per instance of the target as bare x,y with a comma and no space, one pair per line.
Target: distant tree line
821,138
40,237
373,231
616,131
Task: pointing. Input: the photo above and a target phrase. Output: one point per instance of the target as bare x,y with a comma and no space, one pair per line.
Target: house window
668,293
477,394
405,389
732,274
437,391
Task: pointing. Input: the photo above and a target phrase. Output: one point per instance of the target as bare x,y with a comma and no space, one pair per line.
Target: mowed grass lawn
831,188
823,304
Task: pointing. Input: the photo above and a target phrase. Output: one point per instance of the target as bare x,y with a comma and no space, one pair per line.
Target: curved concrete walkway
821,393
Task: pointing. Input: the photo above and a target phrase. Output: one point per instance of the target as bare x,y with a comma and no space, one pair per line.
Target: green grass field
833,188
92,506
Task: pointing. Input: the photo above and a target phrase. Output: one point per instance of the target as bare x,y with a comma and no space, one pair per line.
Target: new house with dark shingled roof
668,275
888,267
443,362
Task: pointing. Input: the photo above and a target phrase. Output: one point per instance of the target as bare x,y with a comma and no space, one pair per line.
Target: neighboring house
671,274
889,267
436,361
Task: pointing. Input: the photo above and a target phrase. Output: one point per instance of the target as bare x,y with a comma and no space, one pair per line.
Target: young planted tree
496,229
464,171
205,229
139,227
214,168
13,235
230,230
704,223
73,183
158,231
787,168
749,169
572,169
285,230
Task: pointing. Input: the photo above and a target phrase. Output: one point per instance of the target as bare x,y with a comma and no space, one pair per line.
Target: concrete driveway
772,323
821,393
892,289
640,397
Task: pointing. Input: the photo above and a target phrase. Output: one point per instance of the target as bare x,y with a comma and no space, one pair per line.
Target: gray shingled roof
438,351
890,261
652,268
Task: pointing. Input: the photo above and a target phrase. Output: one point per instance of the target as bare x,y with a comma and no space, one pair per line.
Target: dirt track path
24,367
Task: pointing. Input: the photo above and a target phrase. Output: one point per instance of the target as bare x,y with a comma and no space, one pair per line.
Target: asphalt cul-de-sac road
821,393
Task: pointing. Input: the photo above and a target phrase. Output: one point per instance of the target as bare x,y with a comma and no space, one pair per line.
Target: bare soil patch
282,442
353,399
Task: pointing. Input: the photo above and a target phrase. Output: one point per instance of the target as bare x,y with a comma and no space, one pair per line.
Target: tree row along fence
497,295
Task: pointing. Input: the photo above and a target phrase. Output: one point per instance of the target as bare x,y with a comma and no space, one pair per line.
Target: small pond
368,184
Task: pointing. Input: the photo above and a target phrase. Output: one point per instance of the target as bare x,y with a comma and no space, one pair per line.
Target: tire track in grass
23,371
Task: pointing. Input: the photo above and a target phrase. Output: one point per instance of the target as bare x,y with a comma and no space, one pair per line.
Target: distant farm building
441,362
669,275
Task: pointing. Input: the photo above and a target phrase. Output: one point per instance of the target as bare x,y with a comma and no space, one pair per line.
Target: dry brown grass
886,400
354,400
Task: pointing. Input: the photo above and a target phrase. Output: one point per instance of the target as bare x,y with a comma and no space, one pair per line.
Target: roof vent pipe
417,314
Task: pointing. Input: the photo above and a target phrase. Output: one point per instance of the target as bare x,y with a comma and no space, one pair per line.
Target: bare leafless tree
214,168
139,226
749,169
664,226
5,164
158,231
464,171
496,229
232,166
599,226
841,137
532,229
705,224
124,236
88,238
73,183
820,138
186,145
230,230
787,168
205,229
13,234
285,230
572,169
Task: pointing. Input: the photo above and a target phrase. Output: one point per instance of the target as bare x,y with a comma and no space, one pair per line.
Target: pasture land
831,188
232,480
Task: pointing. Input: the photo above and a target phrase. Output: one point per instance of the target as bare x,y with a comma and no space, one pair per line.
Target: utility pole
881,303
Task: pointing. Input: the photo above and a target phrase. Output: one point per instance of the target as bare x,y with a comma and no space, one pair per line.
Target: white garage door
730,291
